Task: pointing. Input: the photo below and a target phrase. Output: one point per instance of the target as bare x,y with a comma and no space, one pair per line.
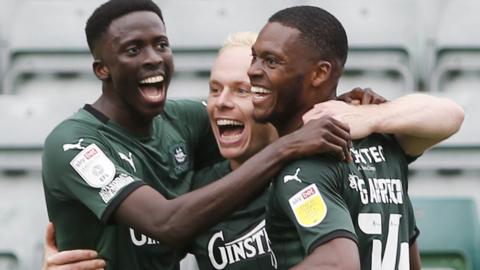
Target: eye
163,45
214,91
241,91
132,50
271,61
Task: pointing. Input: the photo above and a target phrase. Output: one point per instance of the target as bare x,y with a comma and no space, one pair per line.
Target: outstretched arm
176,221
79,259
418,121
339,253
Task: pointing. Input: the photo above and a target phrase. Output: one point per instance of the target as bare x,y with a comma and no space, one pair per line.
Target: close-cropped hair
318,28
239,39
98,23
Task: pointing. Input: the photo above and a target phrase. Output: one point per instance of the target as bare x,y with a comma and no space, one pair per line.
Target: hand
325,134
79,259
358,96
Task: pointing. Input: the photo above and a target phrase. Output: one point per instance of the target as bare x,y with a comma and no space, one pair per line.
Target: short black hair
102,17
319,28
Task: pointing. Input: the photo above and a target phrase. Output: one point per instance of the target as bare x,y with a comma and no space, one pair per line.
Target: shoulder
184,108
315,166
322,170
71,130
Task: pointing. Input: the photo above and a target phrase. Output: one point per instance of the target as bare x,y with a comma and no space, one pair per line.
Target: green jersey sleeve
84,169
308,193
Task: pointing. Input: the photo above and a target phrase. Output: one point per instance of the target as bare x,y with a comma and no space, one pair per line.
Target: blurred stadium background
396,47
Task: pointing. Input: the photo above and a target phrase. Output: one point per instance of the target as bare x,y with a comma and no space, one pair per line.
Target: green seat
449,233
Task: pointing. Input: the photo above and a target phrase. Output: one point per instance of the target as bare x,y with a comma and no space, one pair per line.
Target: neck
127,119
234,164
289,125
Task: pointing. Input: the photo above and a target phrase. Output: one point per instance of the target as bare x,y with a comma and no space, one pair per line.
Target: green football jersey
240,240
90,165
317,199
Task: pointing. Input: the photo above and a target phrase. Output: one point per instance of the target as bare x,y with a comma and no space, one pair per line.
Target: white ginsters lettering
253,243
139,239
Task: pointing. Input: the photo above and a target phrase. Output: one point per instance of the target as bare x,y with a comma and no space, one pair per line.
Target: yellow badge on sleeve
308,206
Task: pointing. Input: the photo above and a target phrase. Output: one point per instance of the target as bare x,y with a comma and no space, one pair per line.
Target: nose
224,100
153,57
255,70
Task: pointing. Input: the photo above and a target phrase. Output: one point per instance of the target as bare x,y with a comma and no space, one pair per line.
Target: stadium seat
455,67
449,232
8,261
382,45
23,217
41,50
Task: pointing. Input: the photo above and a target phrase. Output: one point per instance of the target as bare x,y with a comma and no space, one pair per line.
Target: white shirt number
371,223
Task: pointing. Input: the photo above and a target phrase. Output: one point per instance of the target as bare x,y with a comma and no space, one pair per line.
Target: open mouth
230,130
152,88
260,91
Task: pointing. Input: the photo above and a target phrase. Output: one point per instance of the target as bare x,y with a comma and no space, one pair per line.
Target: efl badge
179,157
94,166
308,206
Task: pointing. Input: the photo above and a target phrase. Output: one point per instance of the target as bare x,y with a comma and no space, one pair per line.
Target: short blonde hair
239,39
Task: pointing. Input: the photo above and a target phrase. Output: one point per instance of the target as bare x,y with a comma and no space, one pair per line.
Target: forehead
276,37
232,65
136,23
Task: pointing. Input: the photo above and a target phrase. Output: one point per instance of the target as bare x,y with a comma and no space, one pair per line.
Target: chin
232,154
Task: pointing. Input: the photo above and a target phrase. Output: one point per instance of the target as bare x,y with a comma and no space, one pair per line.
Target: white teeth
155,79
231,138
260,90
228,122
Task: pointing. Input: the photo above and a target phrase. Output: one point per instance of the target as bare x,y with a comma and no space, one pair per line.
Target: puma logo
287,178
70,146
128,159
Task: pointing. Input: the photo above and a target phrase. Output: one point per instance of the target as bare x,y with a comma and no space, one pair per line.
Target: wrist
286,148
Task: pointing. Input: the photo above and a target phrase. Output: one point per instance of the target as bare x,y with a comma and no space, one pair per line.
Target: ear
100,70
321,73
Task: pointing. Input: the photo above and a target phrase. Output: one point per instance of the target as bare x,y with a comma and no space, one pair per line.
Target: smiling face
135,63
230,107
281,74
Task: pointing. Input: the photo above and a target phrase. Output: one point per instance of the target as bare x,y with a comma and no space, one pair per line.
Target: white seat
381,43
456,66
24,218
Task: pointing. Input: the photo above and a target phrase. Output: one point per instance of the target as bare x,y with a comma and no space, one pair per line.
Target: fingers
50,243
72,256
362,96
371,97
367,96
344,139
334,138
83,265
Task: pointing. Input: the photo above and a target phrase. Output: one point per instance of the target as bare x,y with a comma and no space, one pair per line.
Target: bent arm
339,253
176,221
418,121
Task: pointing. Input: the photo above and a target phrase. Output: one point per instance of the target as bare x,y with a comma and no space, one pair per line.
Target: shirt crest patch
179,158
308,206
94,166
